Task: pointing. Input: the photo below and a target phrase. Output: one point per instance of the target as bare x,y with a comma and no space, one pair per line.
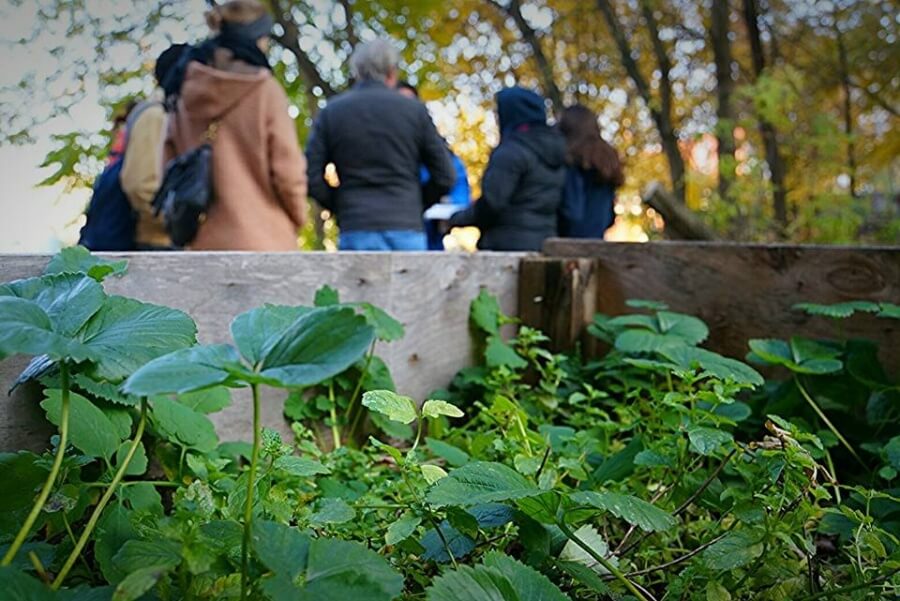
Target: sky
42,219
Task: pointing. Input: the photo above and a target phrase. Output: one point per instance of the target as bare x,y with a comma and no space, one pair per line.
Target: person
459,193
377,140
593,174
223,90
142,166
522,186
109,220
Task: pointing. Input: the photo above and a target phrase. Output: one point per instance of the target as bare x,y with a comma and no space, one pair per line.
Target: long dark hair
586,148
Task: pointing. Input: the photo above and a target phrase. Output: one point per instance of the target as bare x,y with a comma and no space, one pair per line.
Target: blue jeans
390,240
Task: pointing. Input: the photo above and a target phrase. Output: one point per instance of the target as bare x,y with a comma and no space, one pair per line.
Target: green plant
276,346
658,470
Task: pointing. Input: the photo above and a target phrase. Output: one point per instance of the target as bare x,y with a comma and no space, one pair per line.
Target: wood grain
748,291
429,292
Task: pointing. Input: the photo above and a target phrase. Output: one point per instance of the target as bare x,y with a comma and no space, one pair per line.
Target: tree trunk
767,130
844,71
724,89
662,116
681,222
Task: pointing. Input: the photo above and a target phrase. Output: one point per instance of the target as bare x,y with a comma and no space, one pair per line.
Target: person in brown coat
259,172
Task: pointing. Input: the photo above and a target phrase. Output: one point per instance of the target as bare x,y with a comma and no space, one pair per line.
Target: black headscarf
239,38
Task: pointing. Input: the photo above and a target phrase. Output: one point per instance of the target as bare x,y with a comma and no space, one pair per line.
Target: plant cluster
660,470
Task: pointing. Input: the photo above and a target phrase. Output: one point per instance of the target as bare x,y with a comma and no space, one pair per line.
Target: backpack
111,220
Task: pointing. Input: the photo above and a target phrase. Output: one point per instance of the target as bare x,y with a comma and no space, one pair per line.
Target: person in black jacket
377,140
593,175
522,187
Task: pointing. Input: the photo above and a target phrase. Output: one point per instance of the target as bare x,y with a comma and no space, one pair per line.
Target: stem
362,376
74,540
335,429
849,589
248,508
38,566
601,560
354,407
828,423
95,516
54,471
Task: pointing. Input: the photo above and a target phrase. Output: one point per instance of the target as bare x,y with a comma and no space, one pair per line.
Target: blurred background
776,118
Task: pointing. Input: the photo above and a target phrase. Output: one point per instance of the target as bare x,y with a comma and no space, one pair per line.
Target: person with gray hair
377,60
377,140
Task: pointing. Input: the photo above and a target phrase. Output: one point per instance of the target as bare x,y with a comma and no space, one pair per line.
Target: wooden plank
558,296
747,291
429,292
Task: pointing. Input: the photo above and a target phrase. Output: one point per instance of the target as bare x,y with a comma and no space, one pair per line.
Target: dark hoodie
522,187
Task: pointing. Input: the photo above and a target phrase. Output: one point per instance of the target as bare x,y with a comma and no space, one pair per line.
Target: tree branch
529,35
290,40
662,115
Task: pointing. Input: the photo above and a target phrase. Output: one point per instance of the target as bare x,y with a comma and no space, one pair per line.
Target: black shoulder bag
186,191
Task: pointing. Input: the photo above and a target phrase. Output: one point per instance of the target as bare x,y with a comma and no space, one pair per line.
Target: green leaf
332,510
18,586
26,329
138,464
387,329
800,356
113,531
636,512
90,431
480,482
889,311
396,407
707,441
452,455
21,474
105,390
432,473
735,550
68,299
328,569
837,310
619,466
139,582
716,592
300,467
280,548
499,354
687,327
393,452
78,259
209,400
438,408
892,452
137,554
258,330
402,529
485,313
574,553
724,368
182,425
497,578
326,296
645,341
125,334
650,305
185,371
320,344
